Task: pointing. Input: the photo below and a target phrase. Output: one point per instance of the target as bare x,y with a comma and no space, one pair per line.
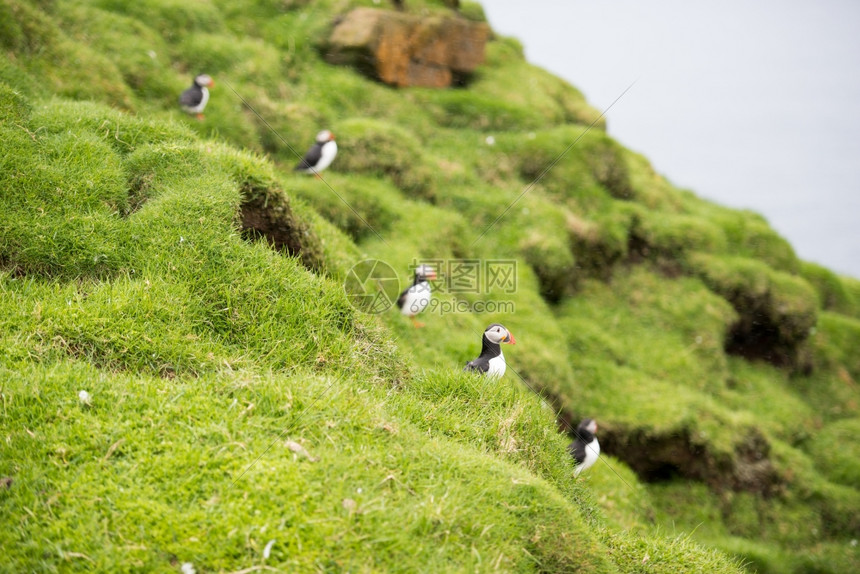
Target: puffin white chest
497,366
417,298
203,101
592,451
328,153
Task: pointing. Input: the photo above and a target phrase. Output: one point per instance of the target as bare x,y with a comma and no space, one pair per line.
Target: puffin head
588,424
204,80
496,333
324,136
425,273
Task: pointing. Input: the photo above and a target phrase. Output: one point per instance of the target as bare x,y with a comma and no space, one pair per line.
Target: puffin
320,155
416,297
491,361
585,449
194,99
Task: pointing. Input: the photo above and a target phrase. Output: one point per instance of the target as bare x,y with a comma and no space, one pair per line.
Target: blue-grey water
749,104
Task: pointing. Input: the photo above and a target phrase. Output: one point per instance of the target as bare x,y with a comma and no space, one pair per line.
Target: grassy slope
126,276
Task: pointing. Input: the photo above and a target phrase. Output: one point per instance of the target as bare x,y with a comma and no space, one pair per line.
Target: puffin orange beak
211,83
510,339
432,275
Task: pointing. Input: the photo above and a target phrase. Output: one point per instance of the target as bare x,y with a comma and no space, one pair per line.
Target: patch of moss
363,207
172,19
835,344
468,109
244,59
122,131
667,237
652,189
472,10
551,98
77,235
140,55
14,108
266,209
54,57
776,310
836,452
371,146
749,235
600,244
770,395
546,248
607,161
25,28
833,291
15,76
582,167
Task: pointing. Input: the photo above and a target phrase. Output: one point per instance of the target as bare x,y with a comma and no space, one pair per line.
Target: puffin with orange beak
320,155
194,99
416,297
491,361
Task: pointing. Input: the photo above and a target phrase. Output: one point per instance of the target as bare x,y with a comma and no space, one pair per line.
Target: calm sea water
751,105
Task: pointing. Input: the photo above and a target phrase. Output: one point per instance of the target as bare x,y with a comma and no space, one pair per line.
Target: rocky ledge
408,50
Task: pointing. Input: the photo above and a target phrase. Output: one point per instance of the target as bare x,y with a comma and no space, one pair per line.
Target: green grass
180,273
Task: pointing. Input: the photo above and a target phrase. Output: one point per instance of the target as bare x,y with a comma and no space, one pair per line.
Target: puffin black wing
584,436
402,299
479,365
191,97
577,450
311,159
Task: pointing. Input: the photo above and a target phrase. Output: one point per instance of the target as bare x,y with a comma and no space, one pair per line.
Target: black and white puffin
320,155
585,449
194,99
416,297
491,361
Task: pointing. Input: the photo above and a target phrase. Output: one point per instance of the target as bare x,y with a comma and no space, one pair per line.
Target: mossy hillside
194,322
92,246
716,401
41,49
476,173
171,470
810,508
198,329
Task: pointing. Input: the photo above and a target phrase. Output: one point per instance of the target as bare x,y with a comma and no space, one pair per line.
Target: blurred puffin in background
320,155
585,449
194,99
416,297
